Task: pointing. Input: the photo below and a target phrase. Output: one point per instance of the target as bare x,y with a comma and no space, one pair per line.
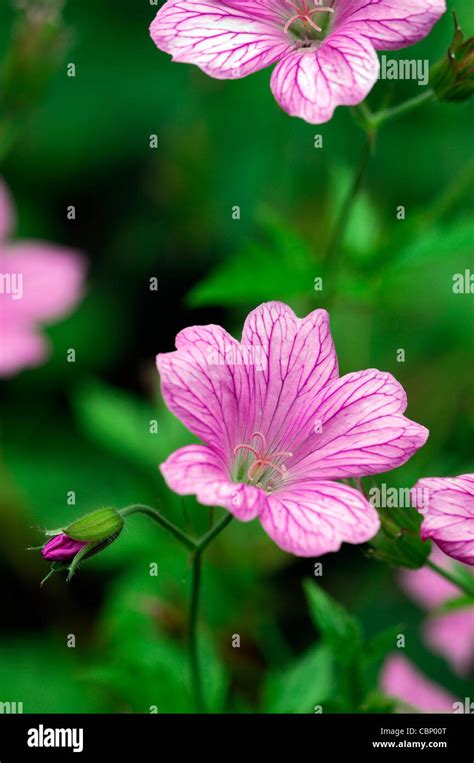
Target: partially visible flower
452,78
61,548
449,514
280,426
325,50
39,283
401,680
449,633
83,537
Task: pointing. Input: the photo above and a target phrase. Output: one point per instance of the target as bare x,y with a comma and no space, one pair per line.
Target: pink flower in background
325,49
449,514
279,426
403,681
450,634
39,283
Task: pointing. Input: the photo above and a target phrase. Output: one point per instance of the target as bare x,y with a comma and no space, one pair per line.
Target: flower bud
452,78
96,526
81,539
399,542
61,548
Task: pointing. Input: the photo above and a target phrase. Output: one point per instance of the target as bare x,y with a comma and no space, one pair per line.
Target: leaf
337,627
399,542
307,682
280,266
121,423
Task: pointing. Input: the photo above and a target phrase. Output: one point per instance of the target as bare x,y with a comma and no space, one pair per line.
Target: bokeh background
84,426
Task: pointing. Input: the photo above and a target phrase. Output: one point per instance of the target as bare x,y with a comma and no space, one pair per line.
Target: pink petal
425,586
388,24
197,470
452,635
297,361
310,83
314,517
7,214
20,345
205,386
363,429
449,518
403,681
223,41
52,279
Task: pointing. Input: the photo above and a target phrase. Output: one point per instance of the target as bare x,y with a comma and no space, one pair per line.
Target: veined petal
224,41
449,516
206,384
51,279
7,214
388,24
314,517
296,360
198,470
310,83
363,430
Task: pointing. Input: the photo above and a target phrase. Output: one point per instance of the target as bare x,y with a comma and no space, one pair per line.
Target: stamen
262,436
304,13
246,447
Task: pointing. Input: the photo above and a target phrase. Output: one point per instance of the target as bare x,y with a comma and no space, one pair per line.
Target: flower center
302,23
266,467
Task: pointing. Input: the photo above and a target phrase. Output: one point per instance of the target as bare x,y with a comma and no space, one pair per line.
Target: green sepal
96,526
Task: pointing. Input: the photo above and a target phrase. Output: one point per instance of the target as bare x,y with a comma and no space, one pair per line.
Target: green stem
139,508
196,678
197,547
468,590
374,120
334,245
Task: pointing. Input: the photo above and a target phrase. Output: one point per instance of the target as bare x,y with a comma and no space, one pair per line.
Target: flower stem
139,508
463,585
197,547
196,679
374,120
334,245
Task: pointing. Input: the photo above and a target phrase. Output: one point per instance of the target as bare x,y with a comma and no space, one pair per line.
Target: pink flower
450,634
325,50
449,514
401,680
61,548
279,426
39,282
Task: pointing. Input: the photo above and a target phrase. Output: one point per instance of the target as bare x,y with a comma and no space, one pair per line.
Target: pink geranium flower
39,283
279,426
325,49
449,514
401,680
451,633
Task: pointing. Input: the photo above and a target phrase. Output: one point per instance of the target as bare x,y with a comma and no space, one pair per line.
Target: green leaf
380,645
306,683
279,266
337,627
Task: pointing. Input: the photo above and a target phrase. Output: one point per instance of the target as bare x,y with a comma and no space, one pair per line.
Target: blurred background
166,212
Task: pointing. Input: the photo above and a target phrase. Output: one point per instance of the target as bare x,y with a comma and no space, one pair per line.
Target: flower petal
310,83
205,384
363,429
296,360
388,24
315,517
197,470
52,279
20,346
7,214
226,42
449,517
403,681
452,636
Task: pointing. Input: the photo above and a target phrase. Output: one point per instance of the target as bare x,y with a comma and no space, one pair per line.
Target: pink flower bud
61,548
